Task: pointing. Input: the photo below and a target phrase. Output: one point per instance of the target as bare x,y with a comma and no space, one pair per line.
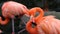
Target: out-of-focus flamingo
11,9
44,25
0,31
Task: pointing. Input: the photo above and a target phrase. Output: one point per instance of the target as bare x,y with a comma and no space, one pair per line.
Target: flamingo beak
32,18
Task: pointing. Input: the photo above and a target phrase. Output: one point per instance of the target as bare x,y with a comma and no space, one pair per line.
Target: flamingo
11,9
44,24
0,31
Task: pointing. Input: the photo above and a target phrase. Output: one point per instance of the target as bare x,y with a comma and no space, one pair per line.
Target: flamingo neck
4,22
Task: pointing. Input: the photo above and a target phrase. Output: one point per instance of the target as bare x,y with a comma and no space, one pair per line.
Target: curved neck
41,14
4,22
34,10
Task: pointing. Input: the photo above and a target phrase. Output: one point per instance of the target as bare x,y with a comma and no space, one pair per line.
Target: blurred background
51,7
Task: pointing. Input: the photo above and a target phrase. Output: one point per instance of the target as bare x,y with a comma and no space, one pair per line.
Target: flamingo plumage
44,25
10,9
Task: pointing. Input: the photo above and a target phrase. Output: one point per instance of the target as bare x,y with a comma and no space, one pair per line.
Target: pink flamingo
10,9
44,25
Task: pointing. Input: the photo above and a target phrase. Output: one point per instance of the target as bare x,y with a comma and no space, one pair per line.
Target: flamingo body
46,25
11,9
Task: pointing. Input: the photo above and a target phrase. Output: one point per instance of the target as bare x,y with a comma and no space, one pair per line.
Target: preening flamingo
10,9
44,24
